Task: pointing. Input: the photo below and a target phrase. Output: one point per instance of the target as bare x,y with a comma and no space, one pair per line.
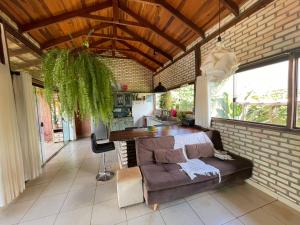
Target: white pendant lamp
221,62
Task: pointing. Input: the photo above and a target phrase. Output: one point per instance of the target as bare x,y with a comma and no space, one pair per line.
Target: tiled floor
68,194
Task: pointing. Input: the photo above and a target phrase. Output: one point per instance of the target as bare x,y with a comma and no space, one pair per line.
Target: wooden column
197,60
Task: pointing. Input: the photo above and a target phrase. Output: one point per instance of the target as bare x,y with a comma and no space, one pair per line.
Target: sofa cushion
145,148
169,156
164,176
197,151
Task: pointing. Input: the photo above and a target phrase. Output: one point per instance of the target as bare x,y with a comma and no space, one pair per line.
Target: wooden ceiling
152,32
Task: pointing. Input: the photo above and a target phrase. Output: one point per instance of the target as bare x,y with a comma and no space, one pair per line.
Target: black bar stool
102,148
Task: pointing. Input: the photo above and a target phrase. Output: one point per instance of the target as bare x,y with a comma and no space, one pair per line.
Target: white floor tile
108,213
181,214
137,210
149,219
45,207
13,213
210,211
259,217
31,193
234,222
106,191
49,220
80,216
79,199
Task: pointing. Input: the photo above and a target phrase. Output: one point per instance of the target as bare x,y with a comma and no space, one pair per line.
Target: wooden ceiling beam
19,51
139,61
111,37
182,18
117,49
62,17
110,20
115,4
67,38
110,56
152,27
146,42
232,6
20,37
141,53
27,64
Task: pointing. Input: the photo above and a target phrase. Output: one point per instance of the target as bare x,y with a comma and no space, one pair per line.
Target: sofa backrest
145,146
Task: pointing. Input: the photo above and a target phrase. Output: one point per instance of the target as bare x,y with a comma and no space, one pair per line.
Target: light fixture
160,88
221,62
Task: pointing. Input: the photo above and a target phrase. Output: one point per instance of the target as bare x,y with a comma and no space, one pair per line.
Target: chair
102,148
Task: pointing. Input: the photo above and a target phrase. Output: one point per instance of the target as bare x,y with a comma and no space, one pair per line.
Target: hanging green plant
83,80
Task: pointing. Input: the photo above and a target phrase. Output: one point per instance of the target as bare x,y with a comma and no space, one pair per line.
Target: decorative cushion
169,156
196,151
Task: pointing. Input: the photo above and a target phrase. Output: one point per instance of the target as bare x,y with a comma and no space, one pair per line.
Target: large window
255,95
298,96
181,99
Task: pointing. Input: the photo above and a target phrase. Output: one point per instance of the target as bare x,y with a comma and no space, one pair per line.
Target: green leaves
83,81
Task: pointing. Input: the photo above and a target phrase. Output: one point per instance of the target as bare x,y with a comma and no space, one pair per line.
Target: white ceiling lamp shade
221,62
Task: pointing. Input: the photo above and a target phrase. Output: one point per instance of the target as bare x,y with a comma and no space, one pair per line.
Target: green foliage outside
271,113
83,81
165,101
182,99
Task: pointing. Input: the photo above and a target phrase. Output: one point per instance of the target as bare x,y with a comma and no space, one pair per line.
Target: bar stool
102,148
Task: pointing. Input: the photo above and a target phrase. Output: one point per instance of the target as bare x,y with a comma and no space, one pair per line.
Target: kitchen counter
153,120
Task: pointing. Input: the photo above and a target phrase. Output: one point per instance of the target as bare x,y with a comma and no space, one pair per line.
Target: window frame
293,56
179,86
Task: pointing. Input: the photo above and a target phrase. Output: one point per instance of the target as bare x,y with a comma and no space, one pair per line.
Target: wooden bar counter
129,137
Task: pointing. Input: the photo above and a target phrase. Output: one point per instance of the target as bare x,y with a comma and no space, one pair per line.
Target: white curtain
27,122
202,114
12,181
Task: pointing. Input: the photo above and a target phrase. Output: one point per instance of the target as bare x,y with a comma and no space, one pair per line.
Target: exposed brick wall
137,77
272,30
275,154
181,72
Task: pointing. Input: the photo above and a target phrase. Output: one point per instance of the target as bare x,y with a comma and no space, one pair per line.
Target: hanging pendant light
221,62
160,88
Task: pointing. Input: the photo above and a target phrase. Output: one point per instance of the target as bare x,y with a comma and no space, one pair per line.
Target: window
256,95
261,94
221,95
181,99
298,97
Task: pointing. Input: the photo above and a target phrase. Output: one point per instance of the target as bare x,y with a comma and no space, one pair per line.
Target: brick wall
181,72
126,71
274,29
275,154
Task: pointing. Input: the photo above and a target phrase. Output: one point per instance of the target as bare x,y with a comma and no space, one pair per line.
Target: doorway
54,128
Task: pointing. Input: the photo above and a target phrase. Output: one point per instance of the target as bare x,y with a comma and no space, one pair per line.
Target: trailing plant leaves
83,81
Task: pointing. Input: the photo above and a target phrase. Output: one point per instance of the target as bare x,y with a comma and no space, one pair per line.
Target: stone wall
127,71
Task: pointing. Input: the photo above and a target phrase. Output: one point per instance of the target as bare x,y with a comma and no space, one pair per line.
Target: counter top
126,135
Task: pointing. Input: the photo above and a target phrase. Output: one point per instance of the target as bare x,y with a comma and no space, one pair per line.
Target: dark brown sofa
165,182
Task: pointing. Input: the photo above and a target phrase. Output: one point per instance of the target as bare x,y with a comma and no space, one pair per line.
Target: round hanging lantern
220,63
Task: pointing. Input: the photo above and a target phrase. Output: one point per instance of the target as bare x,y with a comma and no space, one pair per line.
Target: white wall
142,108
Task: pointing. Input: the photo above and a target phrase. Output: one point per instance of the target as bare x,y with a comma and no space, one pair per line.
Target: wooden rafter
141,53
110,49
146,42
115,4
19,51
232,6
152,27
27,64
139,61
110,20
111,37
62,17
182,18
67,38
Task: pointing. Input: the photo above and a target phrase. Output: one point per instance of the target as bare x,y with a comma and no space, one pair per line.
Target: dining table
130,135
